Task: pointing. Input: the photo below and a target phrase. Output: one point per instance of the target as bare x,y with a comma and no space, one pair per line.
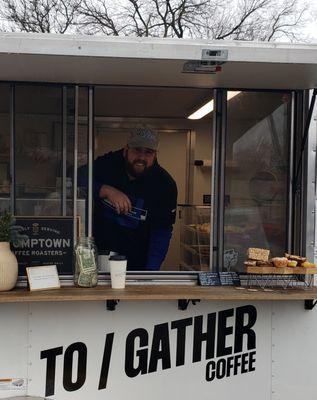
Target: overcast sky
311,28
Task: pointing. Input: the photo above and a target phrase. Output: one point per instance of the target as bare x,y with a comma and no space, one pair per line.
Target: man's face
138,160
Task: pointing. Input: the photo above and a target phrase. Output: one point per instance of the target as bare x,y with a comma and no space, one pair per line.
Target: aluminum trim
12,151
75,167
90,158
150,47
190,155
64,150
218,153
213,202
290,214
222,141
311,182
297,196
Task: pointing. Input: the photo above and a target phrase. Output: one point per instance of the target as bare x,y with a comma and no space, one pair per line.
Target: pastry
292,263
307,264
280,262
264,264
293,257
250,263
203,228
258,254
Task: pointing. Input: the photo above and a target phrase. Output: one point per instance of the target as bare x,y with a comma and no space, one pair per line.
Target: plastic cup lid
117,258
103,252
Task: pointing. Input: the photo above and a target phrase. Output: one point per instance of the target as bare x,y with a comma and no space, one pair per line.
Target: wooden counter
156,292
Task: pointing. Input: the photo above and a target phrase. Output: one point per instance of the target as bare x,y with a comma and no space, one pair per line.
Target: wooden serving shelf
150,292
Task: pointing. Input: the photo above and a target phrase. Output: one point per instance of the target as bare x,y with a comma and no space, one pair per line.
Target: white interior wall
203,151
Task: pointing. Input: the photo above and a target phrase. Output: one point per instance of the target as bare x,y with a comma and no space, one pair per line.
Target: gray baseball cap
144,137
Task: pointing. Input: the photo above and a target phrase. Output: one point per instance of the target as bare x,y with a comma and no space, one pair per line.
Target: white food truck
237,126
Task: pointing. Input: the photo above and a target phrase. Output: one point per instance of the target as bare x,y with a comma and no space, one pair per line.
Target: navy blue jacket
143,236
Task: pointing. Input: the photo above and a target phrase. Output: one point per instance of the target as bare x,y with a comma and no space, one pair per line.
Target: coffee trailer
246,177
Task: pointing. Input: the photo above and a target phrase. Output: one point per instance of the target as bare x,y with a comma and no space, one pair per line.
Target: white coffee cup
118,269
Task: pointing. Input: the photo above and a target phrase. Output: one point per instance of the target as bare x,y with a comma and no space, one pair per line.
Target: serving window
120,110
256,175
232,167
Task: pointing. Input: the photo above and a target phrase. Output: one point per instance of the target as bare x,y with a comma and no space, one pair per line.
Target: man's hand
118,199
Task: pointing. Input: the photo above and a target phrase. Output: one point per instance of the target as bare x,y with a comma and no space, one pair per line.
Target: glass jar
86,270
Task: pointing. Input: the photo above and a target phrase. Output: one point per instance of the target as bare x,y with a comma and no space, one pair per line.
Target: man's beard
133,170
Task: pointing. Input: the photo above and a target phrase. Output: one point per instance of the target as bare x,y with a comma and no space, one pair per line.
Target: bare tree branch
96,17
209,19
286,19
40,15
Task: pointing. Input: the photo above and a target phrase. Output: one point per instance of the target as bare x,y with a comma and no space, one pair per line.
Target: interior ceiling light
208,107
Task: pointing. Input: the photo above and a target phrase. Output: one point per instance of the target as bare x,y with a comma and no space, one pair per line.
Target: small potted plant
8,263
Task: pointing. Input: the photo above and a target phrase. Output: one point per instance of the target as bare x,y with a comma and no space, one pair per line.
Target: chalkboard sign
46,241
209,279
229,279
219,279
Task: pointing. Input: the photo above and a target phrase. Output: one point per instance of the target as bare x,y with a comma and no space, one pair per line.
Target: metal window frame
306,168
75,166
64,150
290,204
12,151
90,157
304,175
190,157
297,198
217,180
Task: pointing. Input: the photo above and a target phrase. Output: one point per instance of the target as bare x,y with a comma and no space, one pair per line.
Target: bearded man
135,202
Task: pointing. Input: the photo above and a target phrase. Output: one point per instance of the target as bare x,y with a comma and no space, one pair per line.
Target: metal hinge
183,303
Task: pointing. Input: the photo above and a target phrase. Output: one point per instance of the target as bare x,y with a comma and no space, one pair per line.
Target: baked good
292,263
258,254
280,262
293,257
250,263
203,228
307,264
264,264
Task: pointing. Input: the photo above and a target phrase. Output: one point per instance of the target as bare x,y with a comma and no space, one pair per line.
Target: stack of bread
260,258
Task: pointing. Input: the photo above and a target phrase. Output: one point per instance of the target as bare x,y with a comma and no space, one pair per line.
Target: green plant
9,232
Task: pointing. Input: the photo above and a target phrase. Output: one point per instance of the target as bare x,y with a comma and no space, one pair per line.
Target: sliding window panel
77,155
38,150
81,121
69,127
5,148
256,174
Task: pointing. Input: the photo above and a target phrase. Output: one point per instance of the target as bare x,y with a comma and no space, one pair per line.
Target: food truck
237,126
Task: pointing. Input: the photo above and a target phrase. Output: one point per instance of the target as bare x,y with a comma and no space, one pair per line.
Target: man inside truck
135,202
